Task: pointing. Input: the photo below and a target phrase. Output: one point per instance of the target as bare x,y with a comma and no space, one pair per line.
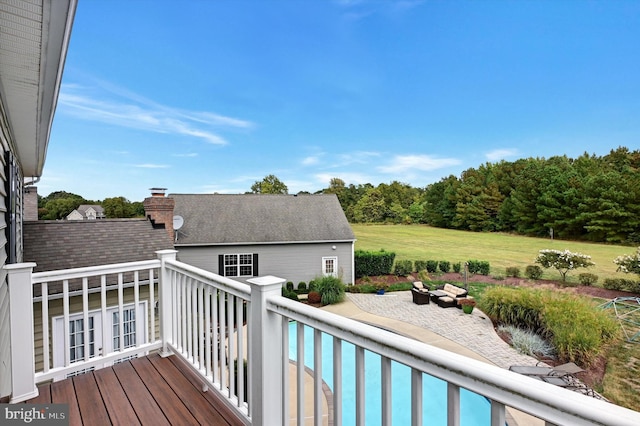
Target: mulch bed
595,373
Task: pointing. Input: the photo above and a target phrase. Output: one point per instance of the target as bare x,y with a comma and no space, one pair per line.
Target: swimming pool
474,409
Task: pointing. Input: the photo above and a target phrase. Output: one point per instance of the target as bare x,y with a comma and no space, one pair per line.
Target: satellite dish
178,221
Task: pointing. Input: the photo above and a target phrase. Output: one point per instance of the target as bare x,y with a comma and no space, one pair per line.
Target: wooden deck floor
145,391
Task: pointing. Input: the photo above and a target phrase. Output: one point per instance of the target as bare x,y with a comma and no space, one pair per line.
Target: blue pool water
474,409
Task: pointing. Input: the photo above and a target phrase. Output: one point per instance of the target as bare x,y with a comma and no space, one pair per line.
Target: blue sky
212,96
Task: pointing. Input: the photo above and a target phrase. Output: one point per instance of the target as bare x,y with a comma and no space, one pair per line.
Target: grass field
419,242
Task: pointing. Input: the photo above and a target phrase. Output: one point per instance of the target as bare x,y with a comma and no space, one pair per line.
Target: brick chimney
159,209
30,194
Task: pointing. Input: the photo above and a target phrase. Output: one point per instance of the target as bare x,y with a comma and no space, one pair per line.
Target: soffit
34,37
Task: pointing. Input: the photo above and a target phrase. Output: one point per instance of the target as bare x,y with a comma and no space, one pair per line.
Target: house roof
82,208
55,245
221,219
33,46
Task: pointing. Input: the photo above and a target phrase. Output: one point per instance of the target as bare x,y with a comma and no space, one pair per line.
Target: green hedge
578,330
373,263
479,267
402,268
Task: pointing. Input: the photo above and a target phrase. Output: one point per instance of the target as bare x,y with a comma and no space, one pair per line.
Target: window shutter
255,264
221,265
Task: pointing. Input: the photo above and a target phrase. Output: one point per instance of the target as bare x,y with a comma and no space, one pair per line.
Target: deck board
90,403
165,396
143,403
147,390
196,402
120,410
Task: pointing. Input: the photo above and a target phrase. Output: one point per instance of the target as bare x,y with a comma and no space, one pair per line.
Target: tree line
587,198
593,198
58,205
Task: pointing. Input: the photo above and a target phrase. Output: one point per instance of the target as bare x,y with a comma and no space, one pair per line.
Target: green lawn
419,242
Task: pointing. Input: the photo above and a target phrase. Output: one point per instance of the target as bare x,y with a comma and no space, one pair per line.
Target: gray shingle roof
55,245
260,218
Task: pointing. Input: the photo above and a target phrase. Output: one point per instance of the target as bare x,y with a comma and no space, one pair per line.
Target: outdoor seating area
445,296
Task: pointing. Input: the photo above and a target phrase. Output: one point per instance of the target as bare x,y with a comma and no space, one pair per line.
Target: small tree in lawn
563,261
629,263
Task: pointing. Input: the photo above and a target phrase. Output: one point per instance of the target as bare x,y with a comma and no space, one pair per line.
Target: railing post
23,375
165,303
265,354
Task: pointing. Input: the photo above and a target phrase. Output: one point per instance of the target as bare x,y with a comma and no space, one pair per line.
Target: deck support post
23,375
266,373
164,300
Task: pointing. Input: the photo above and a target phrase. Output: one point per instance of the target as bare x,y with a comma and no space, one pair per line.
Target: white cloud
425,163
126,109
500,154
311,160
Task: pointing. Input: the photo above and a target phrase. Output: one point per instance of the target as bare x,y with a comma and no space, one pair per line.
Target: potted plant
467,304
381,287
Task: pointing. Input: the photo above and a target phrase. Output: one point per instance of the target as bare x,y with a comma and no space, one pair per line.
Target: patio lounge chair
569,368
420,293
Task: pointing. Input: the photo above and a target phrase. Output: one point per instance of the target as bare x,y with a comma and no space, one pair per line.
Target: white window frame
334,263
238,265
59,328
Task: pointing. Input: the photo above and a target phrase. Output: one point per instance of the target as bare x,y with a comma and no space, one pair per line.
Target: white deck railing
214,323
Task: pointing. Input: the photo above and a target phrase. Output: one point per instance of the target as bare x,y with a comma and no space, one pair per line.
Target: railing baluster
216,337
453,404
65,327
337,381
231,344
286,376
497,414
136,302
183,314
360,402
103,309
207,331
385,372
202,334
120,312
416,397
317,377
222,342
44,290
300,372
152,308
85,316
240,345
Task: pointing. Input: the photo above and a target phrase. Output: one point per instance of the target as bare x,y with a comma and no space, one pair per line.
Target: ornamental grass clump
578,330
331,290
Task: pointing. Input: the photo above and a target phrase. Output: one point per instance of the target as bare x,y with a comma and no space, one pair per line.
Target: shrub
399,287
587,278
290,294
373,263
289,285
302,287
513,271
420,265
312,285
444,266
621,284
578,330
403,268
314,297
457,267
331,290
533,272
432,266
479,267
